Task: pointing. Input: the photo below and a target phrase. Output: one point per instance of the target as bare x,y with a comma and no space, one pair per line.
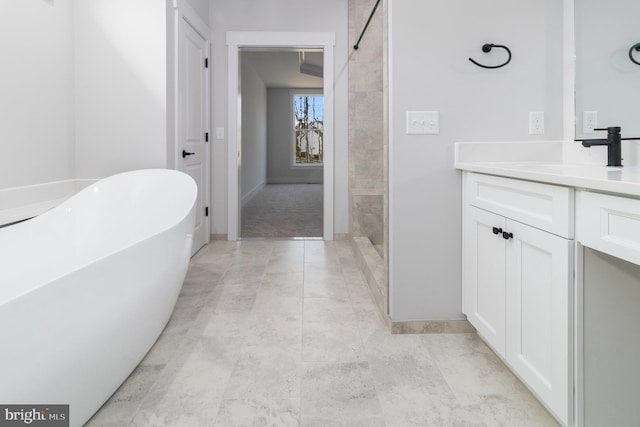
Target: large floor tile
259,412
280,293
190,389
327,309
258,378
339,394
286,260
235,298
326,287
285,333
331,342
271,335
125,401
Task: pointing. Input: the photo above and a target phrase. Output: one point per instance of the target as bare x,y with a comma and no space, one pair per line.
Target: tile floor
284,333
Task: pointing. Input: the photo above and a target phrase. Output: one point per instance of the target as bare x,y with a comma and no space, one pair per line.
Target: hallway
284,333
284,210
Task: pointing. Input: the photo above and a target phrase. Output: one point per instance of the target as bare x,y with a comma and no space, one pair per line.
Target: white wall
36,101
254,131
121,93
429,47
201,7
280,142
277,15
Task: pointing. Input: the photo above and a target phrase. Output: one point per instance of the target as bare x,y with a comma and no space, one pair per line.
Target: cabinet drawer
609,224
543,206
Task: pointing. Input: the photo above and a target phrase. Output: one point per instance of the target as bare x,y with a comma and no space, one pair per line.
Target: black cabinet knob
497,230
507,235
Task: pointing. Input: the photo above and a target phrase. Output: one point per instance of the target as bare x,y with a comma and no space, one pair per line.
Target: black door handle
186,153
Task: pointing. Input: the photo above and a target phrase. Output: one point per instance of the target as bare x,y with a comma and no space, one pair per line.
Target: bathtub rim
35,286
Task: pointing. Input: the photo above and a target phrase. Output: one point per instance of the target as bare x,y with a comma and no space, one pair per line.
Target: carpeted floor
284,210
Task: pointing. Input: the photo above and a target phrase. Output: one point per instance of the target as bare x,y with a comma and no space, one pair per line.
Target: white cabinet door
484,275
538,315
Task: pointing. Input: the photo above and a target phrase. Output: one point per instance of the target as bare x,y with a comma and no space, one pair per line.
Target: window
308,132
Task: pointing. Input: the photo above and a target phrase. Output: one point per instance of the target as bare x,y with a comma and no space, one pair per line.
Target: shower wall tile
367,127
368,106
367,186
367,210
370,79
370,164
367,133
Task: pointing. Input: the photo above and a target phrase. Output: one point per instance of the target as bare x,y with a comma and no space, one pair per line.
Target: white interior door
193,127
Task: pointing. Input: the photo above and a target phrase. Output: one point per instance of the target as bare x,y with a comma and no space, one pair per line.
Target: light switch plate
423,122
219,133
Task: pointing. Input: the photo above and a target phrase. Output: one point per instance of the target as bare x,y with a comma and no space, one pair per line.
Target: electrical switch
423,122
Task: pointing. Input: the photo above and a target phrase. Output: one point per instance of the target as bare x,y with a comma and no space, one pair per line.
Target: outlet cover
589,121
423,122
536,123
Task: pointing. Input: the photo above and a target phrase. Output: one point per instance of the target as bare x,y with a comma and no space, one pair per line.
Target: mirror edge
569,69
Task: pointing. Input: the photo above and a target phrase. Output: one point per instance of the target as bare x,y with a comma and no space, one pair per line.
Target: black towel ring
635,47
486,49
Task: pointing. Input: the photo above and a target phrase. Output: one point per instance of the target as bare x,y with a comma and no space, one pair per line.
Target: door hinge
206,62
206,211
206,137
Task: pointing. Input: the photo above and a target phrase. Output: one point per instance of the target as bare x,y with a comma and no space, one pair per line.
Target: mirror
607,82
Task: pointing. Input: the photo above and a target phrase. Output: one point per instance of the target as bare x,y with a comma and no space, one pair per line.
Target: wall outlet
423,122
589,121
536,123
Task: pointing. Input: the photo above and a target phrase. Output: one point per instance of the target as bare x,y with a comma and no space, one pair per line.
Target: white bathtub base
75,339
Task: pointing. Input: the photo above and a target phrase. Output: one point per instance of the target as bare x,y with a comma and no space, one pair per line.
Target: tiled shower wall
367,144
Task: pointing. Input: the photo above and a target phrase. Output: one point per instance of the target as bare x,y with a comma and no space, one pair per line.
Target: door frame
184,14
239,39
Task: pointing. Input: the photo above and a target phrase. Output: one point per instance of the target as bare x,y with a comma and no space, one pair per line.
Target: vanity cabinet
484,275
518,280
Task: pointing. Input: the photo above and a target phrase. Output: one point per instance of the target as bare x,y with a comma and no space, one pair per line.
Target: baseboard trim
251,194
301,180
219,237
372,266
432,327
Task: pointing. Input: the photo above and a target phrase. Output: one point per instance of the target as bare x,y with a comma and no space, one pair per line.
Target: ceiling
278,68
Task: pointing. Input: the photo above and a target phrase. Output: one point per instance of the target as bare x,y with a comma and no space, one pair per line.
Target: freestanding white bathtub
86,288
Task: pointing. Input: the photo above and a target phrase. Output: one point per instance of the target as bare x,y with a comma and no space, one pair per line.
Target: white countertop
473,157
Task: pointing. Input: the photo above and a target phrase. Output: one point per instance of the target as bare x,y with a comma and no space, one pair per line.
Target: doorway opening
282,143
310,137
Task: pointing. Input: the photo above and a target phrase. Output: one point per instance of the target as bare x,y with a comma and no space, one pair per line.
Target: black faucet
613,143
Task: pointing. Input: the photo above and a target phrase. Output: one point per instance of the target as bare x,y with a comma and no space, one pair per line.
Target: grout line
302,362
304,259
